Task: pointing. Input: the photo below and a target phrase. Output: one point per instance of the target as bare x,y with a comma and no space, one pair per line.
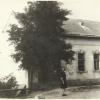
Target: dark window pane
96,61
81,65
81,56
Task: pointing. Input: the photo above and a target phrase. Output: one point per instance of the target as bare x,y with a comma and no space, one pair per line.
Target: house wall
89,46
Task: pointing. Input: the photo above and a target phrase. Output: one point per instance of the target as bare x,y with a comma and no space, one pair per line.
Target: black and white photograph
49,49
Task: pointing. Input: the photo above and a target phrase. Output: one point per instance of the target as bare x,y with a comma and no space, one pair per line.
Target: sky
81,9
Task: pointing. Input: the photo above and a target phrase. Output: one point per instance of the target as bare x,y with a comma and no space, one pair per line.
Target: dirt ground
72,93
87,94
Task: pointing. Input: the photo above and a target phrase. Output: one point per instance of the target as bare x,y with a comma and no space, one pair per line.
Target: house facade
84,36
87,58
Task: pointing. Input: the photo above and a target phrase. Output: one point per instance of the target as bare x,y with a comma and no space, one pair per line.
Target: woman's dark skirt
64,84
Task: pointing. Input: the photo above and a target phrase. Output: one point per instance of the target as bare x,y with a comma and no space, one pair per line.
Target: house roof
82,28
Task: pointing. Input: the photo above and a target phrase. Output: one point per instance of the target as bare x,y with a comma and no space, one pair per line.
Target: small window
96,61
81,62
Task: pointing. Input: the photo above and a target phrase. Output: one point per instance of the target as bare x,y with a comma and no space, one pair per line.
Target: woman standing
63,80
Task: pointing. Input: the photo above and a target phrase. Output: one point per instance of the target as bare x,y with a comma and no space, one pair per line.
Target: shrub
8,82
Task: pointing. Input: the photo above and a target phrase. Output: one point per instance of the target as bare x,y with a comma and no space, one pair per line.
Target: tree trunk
30,78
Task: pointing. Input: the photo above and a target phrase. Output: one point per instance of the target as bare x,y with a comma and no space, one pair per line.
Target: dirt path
87,93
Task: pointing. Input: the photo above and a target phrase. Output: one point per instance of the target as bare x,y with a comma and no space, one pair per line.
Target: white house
85,37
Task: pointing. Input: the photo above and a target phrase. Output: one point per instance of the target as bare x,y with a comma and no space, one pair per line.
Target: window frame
82,60
96,62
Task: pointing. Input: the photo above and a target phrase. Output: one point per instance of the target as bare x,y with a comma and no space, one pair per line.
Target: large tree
39,40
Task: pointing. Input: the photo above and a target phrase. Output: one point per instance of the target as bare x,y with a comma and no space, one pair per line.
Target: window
96,61
81,64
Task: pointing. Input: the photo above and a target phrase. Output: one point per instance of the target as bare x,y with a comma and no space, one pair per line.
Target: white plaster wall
88,46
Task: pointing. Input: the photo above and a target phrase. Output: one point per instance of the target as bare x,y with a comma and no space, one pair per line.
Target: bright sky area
81,9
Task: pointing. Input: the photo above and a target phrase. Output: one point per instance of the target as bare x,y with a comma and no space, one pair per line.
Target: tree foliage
40,39
8,82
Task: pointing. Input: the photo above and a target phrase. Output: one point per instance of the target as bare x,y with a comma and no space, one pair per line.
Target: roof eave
83,36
